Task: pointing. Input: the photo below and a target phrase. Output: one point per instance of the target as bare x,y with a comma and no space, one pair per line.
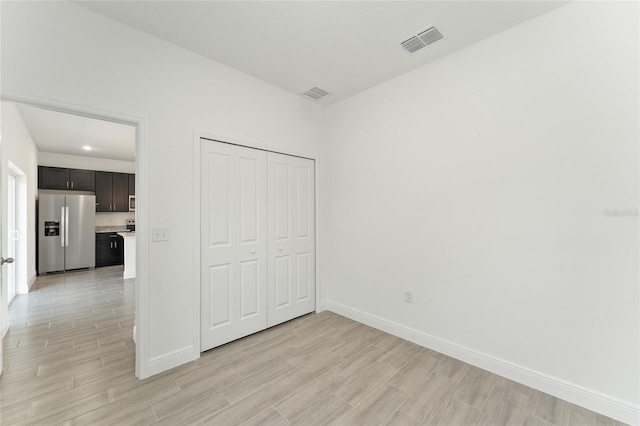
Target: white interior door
233,242
291,217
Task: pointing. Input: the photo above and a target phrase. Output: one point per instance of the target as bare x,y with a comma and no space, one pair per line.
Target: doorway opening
53,123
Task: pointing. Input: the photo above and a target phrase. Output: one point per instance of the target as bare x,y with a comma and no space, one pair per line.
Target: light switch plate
160,234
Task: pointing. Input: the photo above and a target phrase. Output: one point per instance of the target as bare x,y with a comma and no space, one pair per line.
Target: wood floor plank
401,354
322,414
412,374
454,412
268,417
476,387
310,394
359,362
401,419
249,407
429,396
370,379
549,408
375,408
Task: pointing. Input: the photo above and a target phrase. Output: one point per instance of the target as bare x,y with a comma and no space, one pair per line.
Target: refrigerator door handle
66,227
63,226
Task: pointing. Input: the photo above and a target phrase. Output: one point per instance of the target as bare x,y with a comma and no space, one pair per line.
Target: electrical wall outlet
408,296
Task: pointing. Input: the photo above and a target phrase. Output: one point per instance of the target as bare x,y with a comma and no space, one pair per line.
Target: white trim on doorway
197,136
143,362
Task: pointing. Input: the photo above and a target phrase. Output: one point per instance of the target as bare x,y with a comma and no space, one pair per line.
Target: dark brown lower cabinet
109,249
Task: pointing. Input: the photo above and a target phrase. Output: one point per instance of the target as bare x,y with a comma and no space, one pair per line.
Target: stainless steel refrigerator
66,232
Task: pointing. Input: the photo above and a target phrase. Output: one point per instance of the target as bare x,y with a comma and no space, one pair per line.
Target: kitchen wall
113,219
62,51
88,163
18,148
486,183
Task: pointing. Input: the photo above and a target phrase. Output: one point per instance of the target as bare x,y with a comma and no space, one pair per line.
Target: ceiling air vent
412,44
430,36
423,39
316,93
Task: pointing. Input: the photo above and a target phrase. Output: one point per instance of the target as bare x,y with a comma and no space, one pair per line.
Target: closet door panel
291,288
282,272
220,279
304,235
251,245
218,308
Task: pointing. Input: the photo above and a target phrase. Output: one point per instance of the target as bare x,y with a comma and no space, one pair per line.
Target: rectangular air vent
316,93
423,39
430,36
412,44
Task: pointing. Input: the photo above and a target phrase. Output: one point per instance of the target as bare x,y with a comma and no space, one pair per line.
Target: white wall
19,149
480,182
88,163
62,51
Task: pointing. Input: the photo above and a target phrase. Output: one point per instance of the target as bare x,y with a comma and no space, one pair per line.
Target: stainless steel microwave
132,203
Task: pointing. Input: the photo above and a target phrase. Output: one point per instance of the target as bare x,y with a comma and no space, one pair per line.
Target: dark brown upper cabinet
112,192
104,188
53,178
132,184
66,179
82,180
112,189
120,196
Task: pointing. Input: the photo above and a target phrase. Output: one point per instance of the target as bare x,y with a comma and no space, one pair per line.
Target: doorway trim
24,280
197,136
141,124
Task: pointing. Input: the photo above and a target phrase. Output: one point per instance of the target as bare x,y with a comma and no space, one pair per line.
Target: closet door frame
198,135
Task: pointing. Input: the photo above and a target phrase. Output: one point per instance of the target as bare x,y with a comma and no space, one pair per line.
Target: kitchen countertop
105,229
127,234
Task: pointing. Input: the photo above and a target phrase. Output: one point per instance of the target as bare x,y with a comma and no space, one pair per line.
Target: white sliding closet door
291,218
233,242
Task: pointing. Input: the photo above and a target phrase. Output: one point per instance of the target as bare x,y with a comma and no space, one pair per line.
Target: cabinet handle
71,184
67,184
111,245
116,244
253,252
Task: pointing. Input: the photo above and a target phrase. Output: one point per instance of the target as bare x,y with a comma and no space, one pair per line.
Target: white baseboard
170,360
32,280
587,398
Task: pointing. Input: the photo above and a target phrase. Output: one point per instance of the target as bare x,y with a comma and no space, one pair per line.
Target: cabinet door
103,191
120,197
132,184
53,178
118,249
104,252
82,180
291,228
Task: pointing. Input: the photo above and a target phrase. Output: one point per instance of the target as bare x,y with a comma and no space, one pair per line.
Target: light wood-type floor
69,359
